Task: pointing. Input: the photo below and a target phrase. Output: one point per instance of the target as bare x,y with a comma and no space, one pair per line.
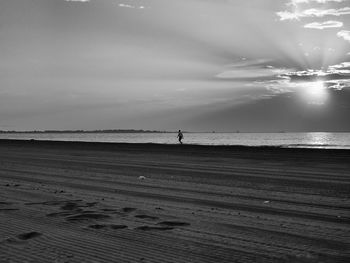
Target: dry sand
97,202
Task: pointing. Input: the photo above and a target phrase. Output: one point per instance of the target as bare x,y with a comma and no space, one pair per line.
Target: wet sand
100,202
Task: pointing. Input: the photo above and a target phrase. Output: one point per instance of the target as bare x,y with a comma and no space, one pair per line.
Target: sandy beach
100,202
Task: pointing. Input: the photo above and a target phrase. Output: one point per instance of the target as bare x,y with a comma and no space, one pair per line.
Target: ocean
325,140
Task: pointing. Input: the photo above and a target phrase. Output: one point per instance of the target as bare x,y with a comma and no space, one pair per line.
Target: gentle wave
320,146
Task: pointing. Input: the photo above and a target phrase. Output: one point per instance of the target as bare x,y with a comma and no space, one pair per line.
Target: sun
316,92
316,89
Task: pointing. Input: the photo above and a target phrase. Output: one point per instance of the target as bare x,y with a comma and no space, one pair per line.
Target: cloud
131,6
312,12
299,11
316,1
345,34
335,77
247,70
259,73
286,15
307,8
295,3
337,71
326,12
341,66
126,5
323,25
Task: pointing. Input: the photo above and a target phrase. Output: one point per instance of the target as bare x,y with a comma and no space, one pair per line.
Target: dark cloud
315,76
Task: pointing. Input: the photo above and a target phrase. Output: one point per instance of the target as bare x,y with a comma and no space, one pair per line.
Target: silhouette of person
180,136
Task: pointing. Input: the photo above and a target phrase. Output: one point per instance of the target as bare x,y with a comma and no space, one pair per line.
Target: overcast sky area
196,65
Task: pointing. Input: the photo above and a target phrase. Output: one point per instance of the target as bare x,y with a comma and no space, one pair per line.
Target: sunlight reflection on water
319,138
297,140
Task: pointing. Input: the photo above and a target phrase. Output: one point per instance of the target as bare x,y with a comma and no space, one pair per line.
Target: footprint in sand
13,241
91,204
109,210
128,209
8,209
164,225
75,205
30,235
173,223
151,228
69,206
5,203
98,226
3,207
118,226
73,210
87,216
21,238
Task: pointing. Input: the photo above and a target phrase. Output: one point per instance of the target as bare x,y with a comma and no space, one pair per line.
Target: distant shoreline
86,131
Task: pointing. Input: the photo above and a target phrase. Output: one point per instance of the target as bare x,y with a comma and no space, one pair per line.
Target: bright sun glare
316,92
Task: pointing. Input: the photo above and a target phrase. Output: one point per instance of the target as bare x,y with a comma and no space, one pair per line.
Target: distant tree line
91,131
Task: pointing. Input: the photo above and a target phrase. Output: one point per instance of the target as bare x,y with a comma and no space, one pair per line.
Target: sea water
297,140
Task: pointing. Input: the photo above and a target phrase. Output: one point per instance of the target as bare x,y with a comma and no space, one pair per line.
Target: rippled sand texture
95,202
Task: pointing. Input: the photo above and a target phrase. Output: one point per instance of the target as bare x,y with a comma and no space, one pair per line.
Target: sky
195,65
